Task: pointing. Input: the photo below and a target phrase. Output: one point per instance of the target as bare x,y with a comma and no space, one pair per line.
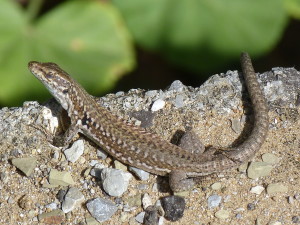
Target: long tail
261,120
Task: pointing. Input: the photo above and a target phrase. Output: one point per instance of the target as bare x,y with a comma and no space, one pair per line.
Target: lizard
136,147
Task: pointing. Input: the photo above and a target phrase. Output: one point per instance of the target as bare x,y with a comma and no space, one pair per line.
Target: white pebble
257,189
157,105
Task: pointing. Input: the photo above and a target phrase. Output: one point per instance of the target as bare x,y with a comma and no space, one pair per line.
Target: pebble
123,217
258,221
91,221
173,207
26,202
251,206
26,165
101,154
61,195
259,169
31,213
236,125
94,162
239,210
56,155
155,187
140,217
81,160
54,217
222,214
51,206
296,219
270,158
151,216
214,201
10,200
3,177
182,193
227,198
243,167
151,93
257,189
179,101
4,157
97,170
275,223
177,85
142,186
16,152
157,105
134,201
276,188
118,201
86,172
46,184
160,221
115,182
120,93
238,216
120,166
216,186
141,174
72,199
62,178
158,203
146,201
101,209
145,118
290,200
75,151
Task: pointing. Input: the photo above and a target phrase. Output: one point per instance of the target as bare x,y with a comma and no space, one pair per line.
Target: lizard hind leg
227,152
191,143
179,181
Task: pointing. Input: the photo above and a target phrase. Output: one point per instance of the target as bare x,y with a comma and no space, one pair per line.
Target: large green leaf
86,38
293,7
198,33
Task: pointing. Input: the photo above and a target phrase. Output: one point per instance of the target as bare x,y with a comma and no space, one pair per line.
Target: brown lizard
134,146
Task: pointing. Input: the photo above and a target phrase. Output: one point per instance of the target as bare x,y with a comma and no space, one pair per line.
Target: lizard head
56,80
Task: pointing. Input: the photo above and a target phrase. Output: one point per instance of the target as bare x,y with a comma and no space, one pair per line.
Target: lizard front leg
65,139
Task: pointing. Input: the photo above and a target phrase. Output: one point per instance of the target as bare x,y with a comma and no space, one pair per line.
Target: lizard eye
65,91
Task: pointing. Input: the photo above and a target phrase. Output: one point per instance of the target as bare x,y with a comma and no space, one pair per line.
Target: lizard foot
179,181
227,152
205,180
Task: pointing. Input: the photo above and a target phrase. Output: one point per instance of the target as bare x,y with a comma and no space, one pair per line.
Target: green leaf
293,7
198,33
12,26
86,38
